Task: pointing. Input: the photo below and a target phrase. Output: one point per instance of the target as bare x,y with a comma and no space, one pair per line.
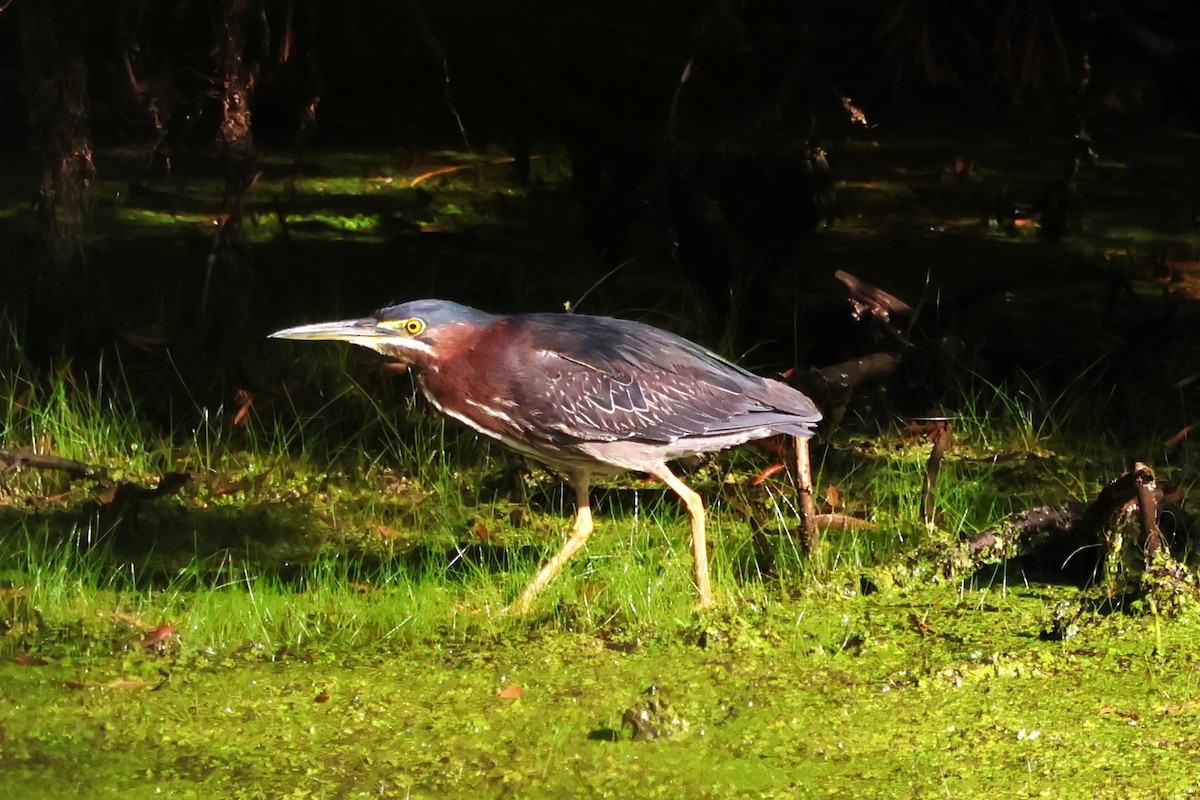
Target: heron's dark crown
435,313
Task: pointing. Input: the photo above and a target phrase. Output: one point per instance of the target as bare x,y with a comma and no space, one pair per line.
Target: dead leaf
854,114
244,399
158,636
833,498
511,692
1180,435
385,531
230,487
767,474
923,627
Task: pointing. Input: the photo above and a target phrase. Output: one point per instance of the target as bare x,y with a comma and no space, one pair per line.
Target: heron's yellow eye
414,326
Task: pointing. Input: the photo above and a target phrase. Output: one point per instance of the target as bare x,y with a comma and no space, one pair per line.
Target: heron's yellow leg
579,534
695,507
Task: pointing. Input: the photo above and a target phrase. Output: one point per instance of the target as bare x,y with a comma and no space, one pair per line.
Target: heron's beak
365,332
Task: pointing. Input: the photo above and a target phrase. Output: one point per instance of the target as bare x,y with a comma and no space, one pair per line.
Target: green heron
582,394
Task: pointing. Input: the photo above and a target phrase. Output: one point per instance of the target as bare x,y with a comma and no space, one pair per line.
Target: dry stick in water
942,437
808,507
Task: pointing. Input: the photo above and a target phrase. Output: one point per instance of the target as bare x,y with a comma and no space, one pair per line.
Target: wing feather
599,379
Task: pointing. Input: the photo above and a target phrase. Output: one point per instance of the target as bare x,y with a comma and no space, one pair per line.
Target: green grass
344,472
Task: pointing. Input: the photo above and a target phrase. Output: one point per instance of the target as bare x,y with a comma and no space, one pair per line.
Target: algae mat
926,693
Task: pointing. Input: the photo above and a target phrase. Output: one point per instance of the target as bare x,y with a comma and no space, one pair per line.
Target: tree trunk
61,312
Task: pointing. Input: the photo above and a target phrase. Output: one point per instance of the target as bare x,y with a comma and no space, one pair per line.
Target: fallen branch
848,375
14,460
109,495
1025,532
1123,520
834,386
844,522
129,492
868,301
